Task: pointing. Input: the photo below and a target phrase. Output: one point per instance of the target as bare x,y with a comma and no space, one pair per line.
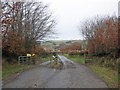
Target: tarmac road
72,75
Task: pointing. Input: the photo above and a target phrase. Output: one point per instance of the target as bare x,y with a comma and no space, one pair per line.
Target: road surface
72,75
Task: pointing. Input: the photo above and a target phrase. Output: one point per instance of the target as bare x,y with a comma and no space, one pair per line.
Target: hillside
58,43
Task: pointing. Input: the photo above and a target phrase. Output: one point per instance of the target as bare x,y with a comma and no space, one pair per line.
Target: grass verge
58,65
9,70
76,58
108,75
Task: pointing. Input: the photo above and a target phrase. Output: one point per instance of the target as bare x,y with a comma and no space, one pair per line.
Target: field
58,43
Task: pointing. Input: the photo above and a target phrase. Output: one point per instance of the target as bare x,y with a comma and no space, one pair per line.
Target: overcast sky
69,13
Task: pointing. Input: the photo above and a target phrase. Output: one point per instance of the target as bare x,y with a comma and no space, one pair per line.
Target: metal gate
24,60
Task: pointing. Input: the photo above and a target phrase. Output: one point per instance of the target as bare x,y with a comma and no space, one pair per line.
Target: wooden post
19,60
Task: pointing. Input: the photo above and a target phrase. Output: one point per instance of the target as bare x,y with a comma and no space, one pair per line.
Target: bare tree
31,20
38,22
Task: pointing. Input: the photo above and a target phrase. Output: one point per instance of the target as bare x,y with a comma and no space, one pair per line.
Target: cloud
70,12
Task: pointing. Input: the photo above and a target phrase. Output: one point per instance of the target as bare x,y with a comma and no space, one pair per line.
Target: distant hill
58,43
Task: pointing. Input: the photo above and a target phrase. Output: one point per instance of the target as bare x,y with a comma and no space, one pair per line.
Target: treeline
23,23
72,47
101,36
